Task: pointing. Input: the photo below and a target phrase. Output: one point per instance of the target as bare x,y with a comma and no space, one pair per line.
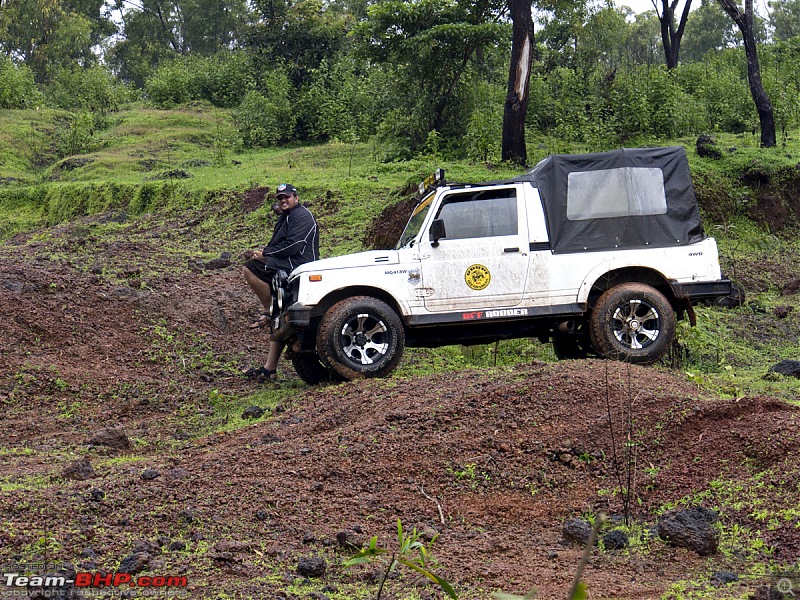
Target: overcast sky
637,6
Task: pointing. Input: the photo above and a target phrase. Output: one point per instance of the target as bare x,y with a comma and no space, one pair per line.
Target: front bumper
287,324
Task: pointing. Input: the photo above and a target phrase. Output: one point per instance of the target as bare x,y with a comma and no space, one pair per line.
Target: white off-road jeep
598,253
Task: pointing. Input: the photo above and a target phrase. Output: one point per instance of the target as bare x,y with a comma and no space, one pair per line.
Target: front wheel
574,343
309,368
361,337
632,322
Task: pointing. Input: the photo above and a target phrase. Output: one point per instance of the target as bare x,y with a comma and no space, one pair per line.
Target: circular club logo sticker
477,277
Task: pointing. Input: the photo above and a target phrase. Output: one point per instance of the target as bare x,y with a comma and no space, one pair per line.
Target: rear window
622,192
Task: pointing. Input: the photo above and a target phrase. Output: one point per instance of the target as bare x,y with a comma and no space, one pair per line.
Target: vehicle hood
349,261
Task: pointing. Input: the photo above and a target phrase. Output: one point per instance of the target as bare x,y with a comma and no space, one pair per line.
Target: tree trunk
671,37
519,74
744,20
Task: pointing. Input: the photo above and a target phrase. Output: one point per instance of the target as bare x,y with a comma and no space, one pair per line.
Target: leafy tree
208,26
580,35
146,42
44,35
155,30
606,35
431,43
744,20
562,31
299,35
642,46
785,18
101,24
709,29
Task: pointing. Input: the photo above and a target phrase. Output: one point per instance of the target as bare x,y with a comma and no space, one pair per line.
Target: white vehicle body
476,263
426,280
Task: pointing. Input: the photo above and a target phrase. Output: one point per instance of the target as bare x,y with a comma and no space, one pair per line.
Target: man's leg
261,288
275,349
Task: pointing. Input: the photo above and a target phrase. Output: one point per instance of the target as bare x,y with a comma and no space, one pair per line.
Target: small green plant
411,553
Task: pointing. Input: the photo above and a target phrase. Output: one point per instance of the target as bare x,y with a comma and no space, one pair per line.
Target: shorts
263,268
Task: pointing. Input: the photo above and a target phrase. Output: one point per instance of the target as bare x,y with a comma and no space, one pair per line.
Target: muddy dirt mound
387,228
492,460
778,201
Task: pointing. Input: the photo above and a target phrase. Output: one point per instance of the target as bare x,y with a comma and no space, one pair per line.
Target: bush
719,84
780,70
226,79
266,120
93,89
17,87
176,82
223,79
649,101
485,123
342,102
77,135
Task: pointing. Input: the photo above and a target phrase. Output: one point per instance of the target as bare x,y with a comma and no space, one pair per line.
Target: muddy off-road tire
632,322
573,345
310,369
361,337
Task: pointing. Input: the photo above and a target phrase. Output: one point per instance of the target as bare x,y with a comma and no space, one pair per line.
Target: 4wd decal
478,277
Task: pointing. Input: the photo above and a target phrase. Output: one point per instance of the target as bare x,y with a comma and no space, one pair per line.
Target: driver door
482,261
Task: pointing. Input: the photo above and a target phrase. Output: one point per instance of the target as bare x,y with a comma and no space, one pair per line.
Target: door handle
510,249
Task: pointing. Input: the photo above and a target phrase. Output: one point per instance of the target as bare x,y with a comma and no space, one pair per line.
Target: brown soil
494,461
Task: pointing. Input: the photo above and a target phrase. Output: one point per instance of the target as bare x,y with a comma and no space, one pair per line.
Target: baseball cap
285,189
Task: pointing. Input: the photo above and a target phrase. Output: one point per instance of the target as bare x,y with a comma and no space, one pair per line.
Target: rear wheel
632,322
361,337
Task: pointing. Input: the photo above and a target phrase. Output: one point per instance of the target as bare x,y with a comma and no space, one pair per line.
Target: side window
486,213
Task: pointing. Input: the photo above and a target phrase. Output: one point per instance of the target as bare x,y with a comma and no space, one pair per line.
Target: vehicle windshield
415,222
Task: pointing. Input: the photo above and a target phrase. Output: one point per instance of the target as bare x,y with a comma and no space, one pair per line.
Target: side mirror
437,232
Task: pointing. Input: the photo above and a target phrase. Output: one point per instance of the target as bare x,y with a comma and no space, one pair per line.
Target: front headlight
279,281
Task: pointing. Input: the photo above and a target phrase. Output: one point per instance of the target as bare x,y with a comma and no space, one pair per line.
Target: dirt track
506,455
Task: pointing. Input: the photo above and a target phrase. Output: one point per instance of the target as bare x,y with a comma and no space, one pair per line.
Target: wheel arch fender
607,275
400,307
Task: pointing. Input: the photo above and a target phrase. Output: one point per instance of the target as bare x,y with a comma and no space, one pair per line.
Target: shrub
93,89
485,123
77,135
266,120
222,79
17,87
226,79
342,102
176,82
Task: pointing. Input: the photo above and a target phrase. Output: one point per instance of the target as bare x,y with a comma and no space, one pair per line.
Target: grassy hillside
146,160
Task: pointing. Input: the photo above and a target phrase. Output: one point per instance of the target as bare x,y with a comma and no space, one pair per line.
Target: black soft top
628,198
